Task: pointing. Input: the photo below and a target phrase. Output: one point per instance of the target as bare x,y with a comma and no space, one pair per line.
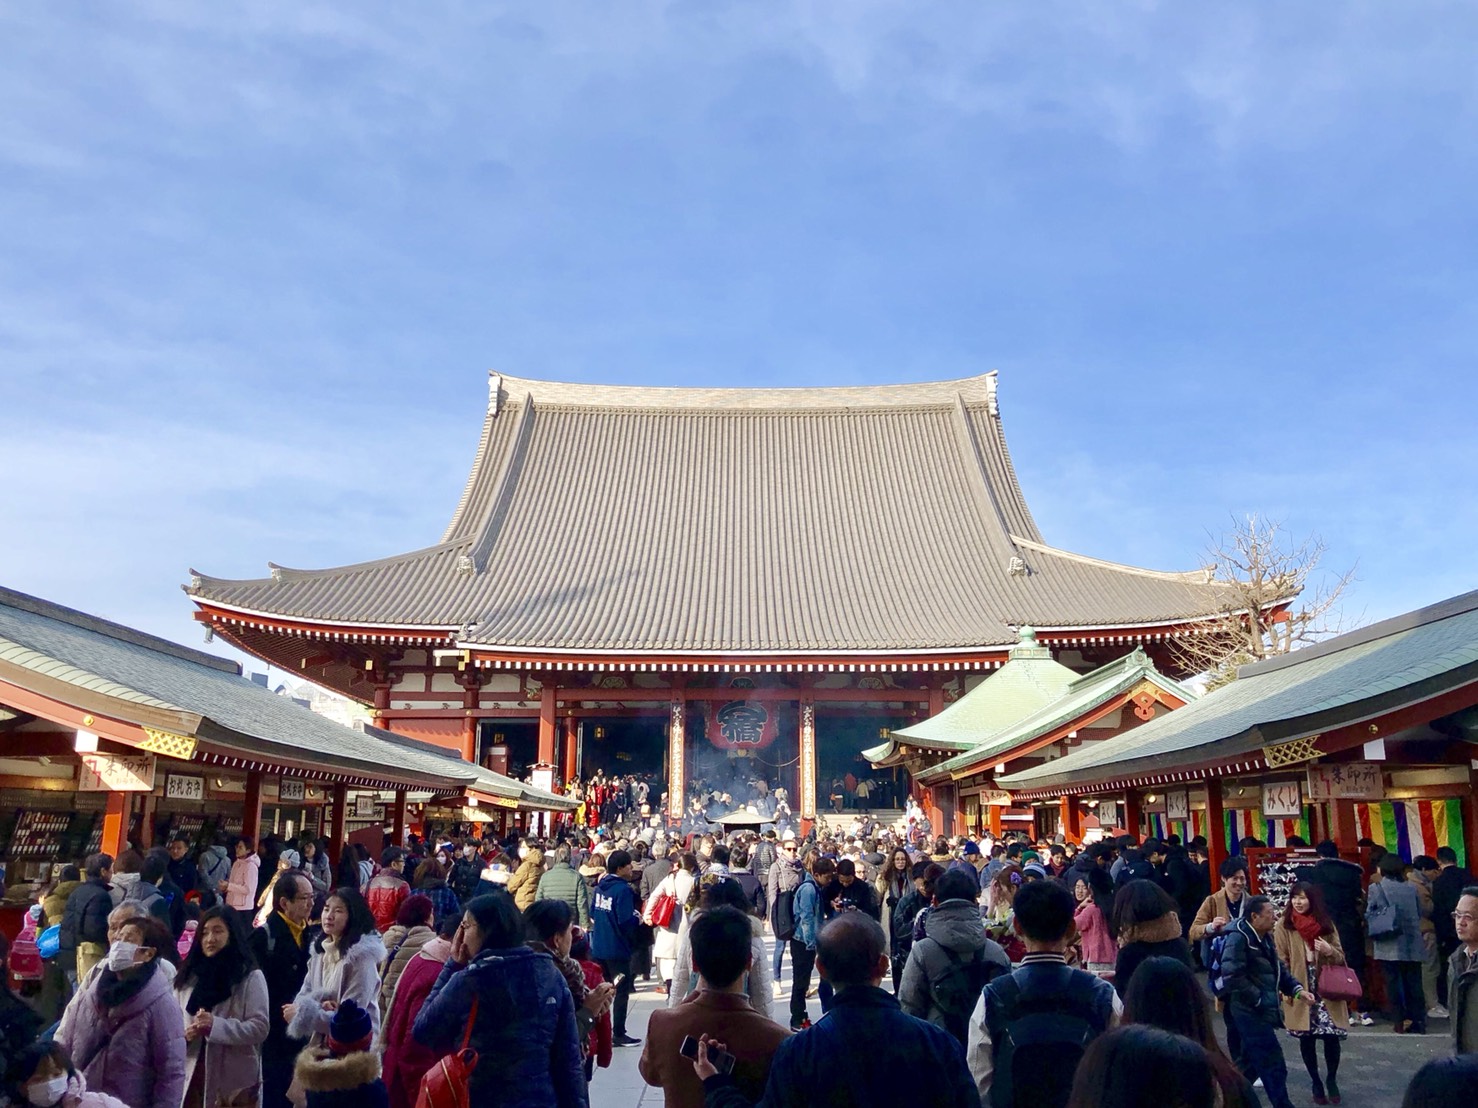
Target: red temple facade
684,578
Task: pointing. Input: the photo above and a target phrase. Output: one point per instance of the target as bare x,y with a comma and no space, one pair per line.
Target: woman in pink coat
1099,949
124,1032
240,889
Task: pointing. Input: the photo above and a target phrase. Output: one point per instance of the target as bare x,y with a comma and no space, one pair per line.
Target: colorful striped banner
1187,829
1242,823
1413,827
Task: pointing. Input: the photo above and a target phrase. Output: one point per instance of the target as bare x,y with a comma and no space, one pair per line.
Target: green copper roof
1085,694
1346,679
1028,681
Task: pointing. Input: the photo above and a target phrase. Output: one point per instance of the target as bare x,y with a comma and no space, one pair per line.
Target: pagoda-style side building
637,577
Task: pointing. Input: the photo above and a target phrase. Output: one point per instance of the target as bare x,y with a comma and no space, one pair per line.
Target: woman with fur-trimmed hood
344,1072
345,965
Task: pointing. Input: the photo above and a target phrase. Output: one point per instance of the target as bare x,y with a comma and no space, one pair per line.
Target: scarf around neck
213,981
114,989
1307,927
569,968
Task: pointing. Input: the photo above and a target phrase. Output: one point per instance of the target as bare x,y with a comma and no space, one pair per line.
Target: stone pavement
1374,1069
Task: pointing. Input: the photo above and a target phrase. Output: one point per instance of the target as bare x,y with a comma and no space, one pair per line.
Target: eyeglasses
1464,917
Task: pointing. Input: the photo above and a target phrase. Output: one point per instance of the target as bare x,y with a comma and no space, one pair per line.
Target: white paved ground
621,1086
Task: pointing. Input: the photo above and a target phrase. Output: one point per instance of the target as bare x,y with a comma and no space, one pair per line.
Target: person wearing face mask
43,1076
466,872
125,1033
223,1000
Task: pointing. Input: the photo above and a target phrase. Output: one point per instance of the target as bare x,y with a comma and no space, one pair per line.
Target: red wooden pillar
115,825
995,820
251,807
1216,830
936,696
397,818
571,750
547,704
382,705
1131,814
1342,826
1071,818
469,737
336,825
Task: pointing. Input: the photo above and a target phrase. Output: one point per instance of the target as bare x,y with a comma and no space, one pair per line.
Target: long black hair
1136,1065
235,960
361,919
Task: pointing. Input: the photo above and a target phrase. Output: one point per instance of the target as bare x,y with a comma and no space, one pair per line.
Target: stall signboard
289,790
116,773
1178,804
179,786
542,777
364,806
1282,800
1348,781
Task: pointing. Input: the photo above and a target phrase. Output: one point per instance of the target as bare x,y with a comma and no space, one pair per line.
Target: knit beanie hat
349,1031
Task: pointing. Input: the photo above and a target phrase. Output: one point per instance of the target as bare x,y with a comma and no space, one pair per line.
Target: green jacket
563,883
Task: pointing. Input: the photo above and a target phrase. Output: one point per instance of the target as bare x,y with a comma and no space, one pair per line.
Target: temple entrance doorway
845,780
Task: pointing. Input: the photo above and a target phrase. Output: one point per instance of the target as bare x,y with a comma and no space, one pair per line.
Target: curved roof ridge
287,573
980,387
1191,576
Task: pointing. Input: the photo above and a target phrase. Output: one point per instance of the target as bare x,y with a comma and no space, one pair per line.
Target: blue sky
256,260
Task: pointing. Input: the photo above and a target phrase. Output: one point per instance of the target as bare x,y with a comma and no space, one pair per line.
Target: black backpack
955,991
1041,1038
785,915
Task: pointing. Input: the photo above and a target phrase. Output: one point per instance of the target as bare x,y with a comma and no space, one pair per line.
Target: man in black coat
83,939
1255,978
1447,890
281,951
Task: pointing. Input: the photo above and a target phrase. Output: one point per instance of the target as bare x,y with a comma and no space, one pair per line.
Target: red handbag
1339,983
445,1084
663,908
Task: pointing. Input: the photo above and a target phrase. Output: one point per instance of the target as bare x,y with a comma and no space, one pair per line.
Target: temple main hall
709,584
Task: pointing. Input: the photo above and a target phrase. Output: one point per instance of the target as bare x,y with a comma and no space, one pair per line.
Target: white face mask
121,955
47,1093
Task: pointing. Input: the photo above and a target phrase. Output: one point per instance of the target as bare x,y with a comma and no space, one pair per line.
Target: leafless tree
1276,599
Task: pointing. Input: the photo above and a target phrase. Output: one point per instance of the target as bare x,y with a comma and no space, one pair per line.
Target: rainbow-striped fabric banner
1162,828
1413,827
1245,823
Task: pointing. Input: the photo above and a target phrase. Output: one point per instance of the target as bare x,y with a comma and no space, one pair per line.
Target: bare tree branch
1277,600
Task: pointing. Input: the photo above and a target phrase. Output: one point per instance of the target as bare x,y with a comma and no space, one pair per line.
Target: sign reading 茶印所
1347,781
115,773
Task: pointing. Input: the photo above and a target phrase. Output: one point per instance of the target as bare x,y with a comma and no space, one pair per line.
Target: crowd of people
951,972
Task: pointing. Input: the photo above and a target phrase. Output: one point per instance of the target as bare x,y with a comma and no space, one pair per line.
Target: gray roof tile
765,521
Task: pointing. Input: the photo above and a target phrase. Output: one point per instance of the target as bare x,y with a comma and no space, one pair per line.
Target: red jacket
386,893
600,1034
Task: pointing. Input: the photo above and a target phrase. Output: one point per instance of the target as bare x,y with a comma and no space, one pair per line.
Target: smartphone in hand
720,1060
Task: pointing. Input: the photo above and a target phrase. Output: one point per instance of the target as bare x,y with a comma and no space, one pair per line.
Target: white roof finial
495,392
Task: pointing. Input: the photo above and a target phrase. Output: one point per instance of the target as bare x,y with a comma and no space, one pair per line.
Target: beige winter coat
1294,953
